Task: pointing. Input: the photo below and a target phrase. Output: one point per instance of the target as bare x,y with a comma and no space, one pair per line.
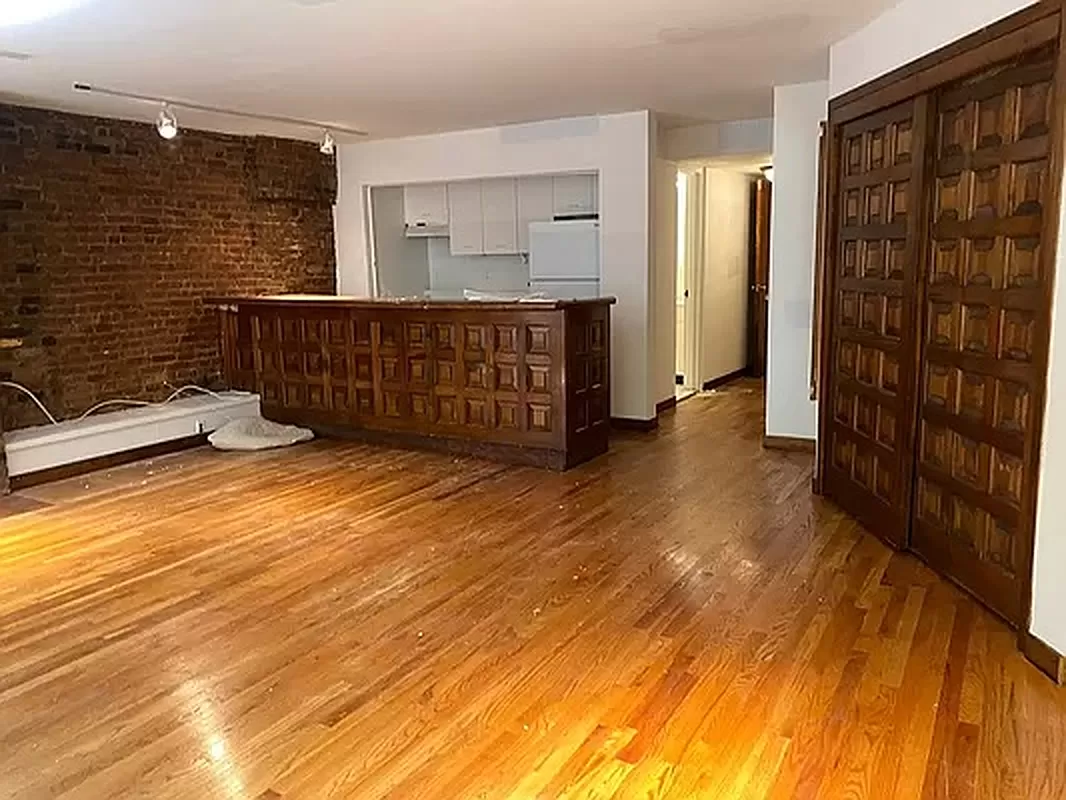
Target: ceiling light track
167,123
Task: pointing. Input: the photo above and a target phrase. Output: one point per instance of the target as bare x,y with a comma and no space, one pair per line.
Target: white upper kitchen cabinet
499,210
536,203
574,194
466,227
425,205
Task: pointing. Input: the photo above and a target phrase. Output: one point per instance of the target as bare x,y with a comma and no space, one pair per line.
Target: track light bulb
166,123
328,145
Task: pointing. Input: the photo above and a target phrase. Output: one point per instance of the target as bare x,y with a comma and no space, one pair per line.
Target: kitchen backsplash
450,274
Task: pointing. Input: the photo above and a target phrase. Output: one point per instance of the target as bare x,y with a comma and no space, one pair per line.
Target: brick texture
110,237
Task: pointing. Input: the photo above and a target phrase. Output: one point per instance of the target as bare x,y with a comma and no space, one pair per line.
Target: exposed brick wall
111,236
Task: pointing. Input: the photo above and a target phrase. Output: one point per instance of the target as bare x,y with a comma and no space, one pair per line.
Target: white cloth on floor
256,433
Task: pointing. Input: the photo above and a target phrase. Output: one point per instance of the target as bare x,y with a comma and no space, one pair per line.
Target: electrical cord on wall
120,401
19,387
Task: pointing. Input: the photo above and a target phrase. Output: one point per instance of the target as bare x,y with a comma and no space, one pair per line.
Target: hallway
677,619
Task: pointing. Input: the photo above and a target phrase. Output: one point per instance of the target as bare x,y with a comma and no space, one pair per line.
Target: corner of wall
349,220
112,307
1048,620
691,141
798,110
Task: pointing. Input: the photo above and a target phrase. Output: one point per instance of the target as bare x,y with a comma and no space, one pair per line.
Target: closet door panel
983,316
873,336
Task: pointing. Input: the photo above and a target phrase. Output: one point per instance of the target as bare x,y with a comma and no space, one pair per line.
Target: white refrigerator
564,259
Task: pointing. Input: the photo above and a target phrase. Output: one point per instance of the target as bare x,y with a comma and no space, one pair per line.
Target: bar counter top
351,301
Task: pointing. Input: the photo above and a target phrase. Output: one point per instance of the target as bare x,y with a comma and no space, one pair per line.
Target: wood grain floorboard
11,505
677,619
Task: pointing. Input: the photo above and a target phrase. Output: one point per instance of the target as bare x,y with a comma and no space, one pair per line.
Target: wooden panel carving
871,380
981,121
532,379
984,289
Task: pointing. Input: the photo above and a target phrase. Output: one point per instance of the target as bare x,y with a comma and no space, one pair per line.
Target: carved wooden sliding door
873,318
944,192
984,323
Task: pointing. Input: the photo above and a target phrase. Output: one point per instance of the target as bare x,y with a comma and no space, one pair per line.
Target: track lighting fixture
167,123
327,145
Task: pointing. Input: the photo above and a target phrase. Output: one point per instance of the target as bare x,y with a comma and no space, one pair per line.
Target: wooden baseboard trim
669,404
722,380
1044,657
31,479
630,424
792,444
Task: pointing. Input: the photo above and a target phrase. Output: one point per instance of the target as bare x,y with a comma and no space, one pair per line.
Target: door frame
821,256
762,189
693,271
1024,31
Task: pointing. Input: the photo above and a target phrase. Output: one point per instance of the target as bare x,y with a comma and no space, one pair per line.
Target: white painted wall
798,110
402,263
745,136
715,139
690,141
1049,581
617,146
664,279
450,274
724,314
908,31
690,277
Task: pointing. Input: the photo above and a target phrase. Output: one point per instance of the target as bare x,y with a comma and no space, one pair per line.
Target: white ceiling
395,67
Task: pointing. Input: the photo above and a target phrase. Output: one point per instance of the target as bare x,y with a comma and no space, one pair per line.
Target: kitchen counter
523,381
405,302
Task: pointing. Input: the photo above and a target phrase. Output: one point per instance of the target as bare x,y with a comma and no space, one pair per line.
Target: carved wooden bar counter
521,382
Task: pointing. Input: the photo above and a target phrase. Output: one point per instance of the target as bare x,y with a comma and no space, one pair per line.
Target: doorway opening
687,378
722,272
759,295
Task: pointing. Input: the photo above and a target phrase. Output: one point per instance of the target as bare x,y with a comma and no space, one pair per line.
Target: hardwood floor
678,619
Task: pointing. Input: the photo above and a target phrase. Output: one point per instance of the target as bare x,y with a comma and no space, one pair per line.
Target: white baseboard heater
47,447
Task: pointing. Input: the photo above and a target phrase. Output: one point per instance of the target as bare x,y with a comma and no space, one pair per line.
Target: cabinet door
574,194
868,408
425,205
465,219
500,216
536,203
986,324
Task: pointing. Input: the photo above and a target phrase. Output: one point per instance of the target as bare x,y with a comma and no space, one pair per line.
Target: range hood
422,231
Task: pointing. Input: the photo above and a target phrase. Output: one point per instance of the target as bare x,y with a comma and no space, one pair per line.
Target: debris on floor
256,433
